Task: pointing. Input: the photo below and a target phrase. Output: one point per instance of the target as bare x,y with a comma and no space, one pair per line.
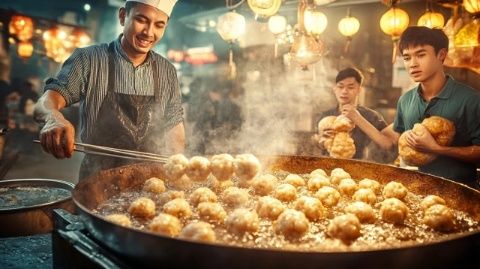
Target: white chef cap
163,5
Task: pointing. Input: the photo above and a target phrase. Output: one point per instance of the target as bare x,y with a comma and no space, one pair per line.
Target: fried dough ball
394,211
291,223
202,194
242,221
367,183
365,195
246,166
142,207
198,168
165,224
235,197
431,200
315,183
363,211
176,166
318,172
264,184
295,180
394,189
411,156
328,196
182,183
222,166
343,146
285,192
337,175
211,212
326,123
154,185
442,130
170,195
347,186
178,207
269,207
439,217
198,231
343,124
311,207
345,227
120,219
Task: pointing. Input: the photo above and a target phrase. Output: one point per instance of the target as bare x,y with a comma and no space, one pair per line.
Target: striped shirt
84,76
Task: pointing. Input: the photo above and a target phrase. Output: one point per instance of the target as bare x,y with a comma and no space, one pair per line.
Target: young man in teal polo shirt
424,51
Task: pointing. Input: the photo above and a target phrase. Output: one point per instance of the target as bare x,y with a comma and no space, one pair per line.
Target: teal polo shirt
456,102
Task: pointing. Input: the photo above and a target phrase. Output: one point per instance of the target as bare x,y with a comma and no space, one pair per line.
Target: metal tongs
117,153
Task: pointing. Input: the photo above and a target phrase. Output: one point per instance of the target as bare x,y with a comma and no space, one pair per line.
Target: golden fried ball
269,207
431,200
394,211
120,219
365,195
326,123
441,129
295,180
165,224
142,207
337,175
198,231
318,172
219,186
394,189
182,183
198,168
363,211
440,218
311,207
264,184
222,166
211,212
202,194
154,185
292,224
411,156
176,166
246,166
170,195
235,197
367,183
342,146
345,227
315,183
285,192
178,207
242,221
347,186
328,196
343,124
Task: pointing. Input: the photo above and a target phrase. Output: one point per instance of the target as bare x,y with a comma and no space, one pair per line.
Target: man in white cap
129,95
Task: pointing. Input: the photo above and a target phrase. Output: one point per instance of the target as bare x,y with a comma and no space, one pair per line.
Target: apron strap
111,69
156,83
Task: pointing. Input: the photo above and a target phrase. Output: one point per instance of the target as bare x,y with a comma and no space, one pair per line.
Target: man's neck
136,58
433,86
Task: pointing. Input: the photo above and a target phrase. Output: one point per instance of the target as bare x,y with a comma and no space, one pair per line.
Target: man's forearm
175,139
468,154
49,105
380,139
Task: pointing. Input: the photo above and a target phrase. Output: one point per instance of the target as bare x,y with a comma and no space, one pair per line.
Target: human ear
442,54
122,13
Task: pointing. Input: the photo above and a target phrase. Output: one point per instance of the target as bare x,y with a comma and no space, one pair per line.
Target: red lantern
22,27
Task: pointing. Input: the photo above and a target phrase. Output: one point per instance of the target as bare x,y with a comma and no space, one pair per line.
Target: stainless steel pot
26,205
152,250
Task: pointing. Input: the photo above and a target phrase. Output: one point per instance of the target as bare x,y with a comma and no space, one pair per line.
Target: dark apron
131,122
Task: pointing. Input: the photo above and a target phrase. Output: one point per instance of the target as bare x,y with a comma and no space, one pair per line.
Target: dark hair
349,72
420,35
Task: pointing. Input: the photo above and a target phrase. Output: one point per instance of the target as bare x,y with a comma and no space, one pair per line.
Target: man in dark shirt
347,88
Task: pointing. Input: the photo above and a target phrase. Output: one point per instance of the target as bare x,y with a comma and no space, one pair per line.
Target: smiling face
422,63
346,91
144,27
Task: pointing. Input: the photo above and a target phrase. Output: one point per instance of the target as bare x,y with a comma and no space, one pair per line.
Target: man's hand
350,112
423,142
57,136
321,137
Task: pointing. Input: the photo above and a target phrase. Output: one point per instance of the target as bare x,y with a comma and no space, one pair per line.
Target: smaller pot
26,205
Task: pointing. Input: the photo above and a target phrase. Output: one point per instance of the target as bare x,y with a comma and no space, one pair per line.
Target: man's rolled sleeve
398,124
70,81
174,112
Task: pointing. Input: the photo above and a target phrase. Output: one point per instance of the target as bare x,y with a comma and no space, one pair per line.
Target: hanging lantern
25,49
431,19
306,50
348,26
231,26
322,2
264,9
393,23
54,45
472,6
315,22
22,27
79,38
277,25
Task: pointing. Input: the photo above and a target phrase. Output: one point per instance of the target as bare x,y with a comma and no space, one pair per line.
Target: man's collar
119,50
446,91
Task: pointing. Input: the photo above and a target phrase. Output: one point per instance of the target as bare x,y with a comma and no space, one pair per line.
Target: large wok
151,250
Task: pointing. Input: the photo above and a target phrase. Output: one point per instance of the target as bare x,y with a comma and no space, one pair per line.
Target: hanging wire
232,5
